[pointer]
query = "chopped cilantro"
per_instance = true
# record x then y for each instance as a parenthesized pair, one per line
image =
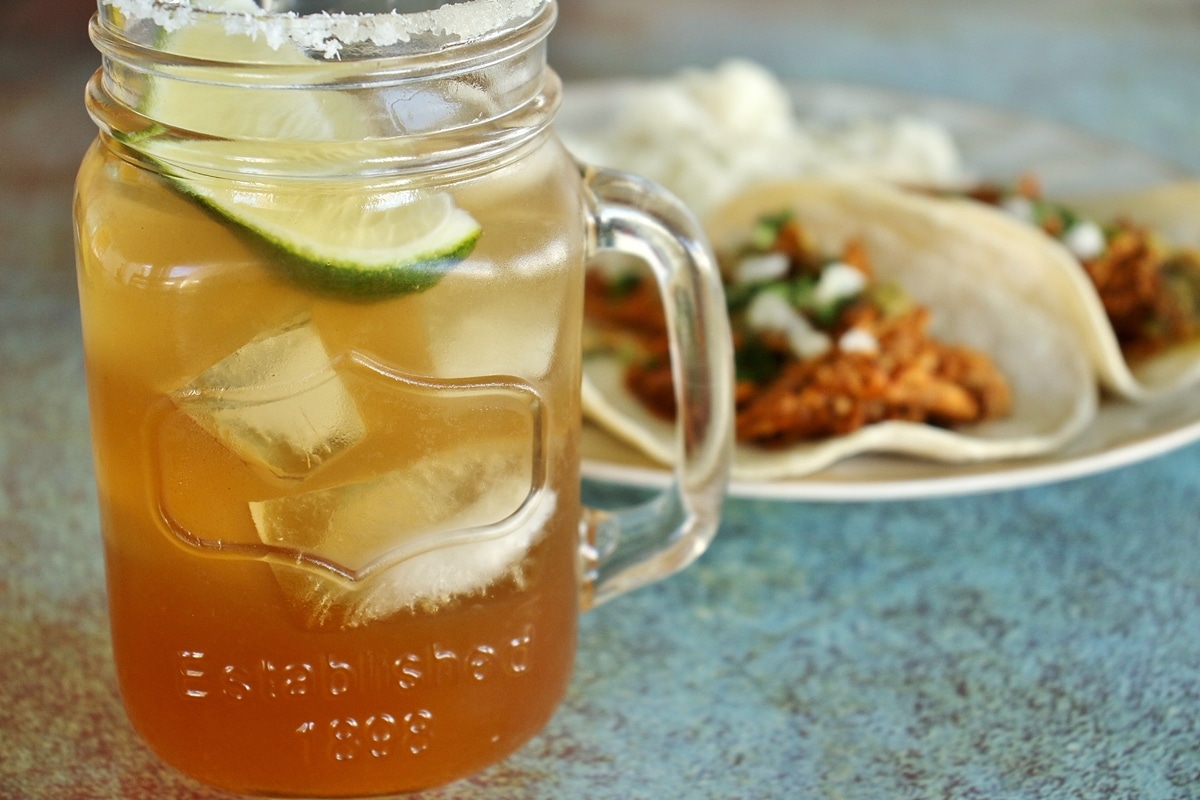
(756, 362)
(826, 316)
(766, 231)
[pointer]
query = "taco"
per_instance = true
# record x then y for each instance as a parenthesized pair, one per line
(1135, 260)
(929, 337)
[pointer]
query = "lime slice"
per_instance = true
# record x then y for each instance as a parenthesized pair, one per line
(397, 243)
(380, 243)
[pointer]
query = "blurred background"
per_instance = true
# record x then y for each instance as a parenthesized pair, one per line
(1069, 60)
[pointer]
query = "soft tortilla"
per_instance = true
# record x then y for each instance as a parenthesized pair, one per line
(985, 285)
(1173, 212)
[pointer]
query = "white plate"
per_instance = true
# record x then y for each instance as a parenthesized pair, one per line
(996, 145)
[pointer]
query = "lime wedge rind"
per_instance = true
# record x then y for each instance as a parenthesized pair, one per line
(357, 280)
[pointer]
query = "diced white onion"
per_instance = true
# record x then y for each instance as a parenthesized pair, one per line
(771, 312)
(1085, 239)
(838, 281)
(808, 342)
(858, 340)
(761, 268)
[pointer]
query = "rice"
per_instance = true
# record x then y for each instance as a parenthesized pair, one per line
(706, 134)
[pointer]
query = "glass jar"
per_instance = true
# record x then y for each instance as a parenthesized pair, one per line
(330, 271)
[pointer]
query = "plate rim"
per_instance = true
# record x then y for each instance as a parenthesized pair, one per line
(813, 488)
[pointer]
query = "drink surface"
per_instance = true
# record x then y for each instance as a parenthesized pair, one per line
(341, 532)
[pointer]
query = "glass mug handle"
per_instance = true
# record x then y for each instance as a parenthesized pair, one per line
(628, 548)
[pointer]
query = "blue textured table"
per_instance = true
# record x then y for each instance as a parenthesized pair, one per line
(1040, 643)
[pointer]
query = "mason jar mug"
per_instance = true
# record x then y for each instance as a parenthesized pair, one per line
(330, 270)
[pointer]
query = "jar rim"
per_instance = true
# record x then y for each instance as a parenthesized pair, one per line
(333, 33)
(218, 103)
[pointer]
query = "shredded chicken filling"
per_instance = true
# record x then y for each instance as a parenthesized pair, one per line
(1150, 292)
(878, 361)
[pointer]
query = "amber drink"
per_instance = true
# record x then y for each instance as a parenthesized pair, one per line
(332, 340)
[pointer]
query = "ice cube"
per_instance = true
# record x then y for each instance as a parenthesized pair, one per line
(277, 402)
(450, 523)
(513, 327)
(435, 577)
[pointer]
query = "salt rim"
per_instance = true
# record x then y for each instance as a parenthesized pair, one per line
(329, 33)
